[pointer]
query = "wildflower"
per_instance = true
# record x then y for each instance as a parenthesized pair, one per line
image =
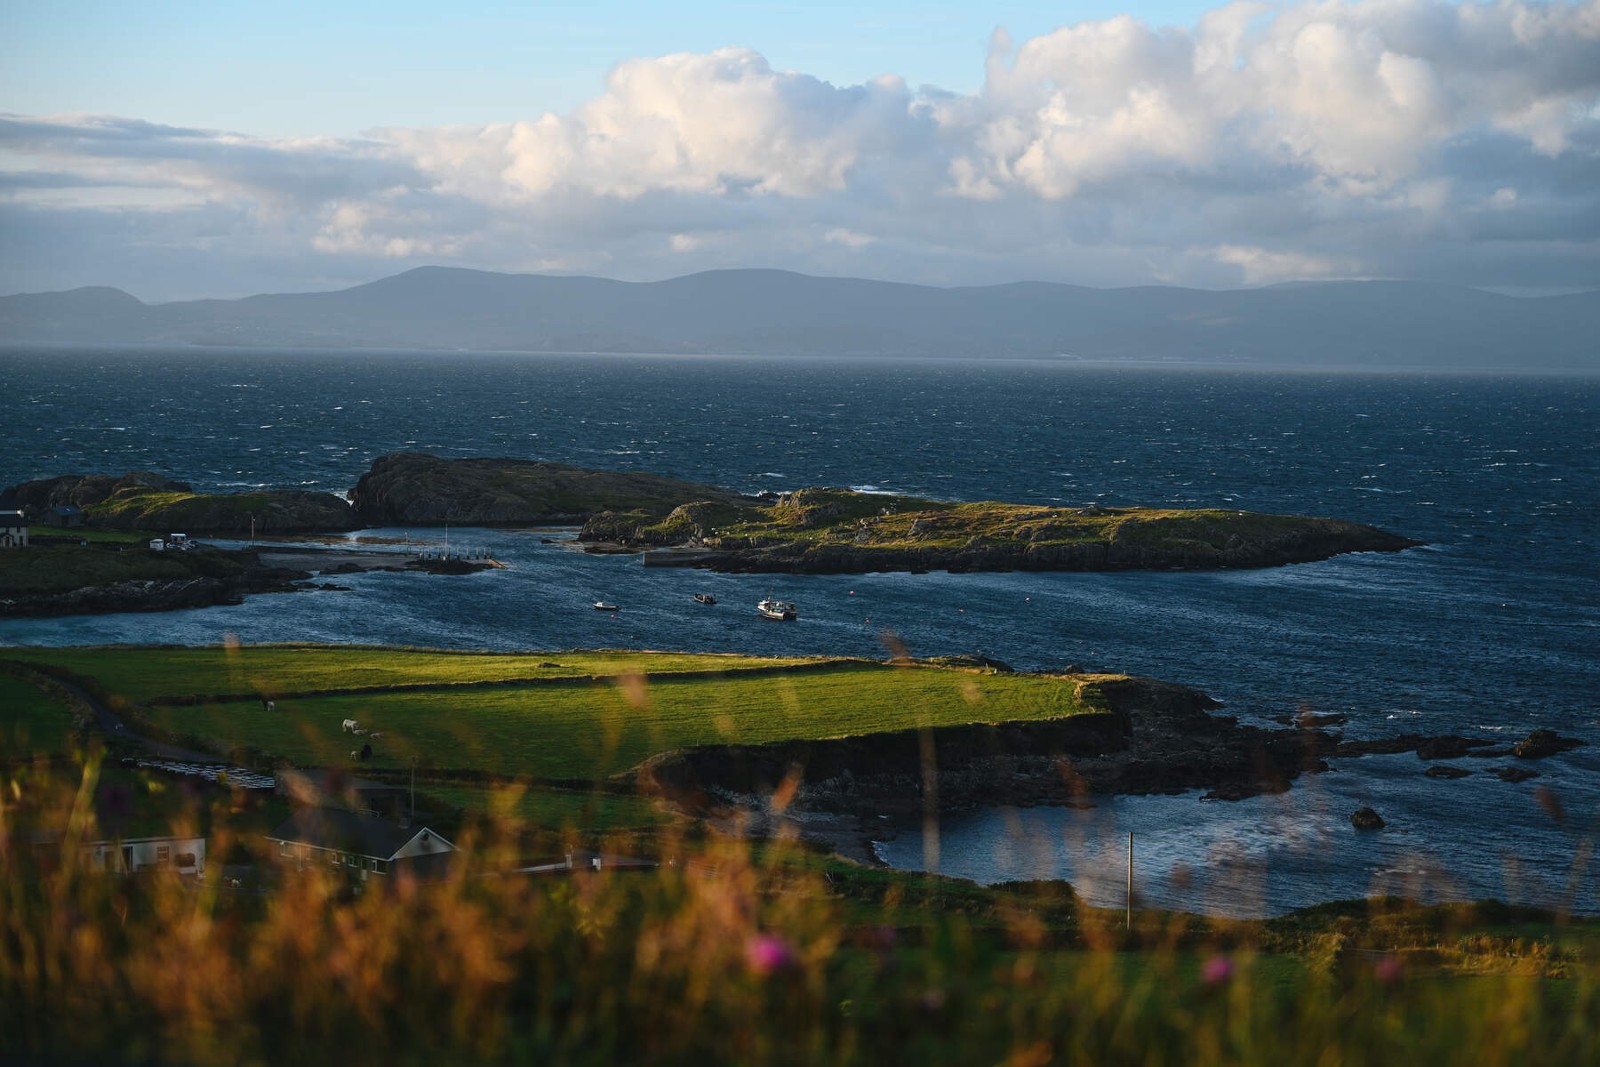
(768, 954)
(1389, 969)
(1216, 970)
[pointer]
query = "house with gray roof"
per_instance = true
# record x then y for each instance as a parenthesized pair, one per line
(360, 845)
(13, 529)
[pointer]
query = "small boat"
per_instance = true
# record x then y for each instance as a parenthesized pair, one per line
(704, 598)
(777, 609)
(602, 605)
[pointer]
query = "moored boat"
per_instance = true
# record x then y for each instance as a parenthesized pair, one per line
(783, 610)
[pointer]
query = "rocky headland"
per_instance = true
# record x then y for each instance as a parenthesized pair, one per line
(95, 579)
(1145, 736)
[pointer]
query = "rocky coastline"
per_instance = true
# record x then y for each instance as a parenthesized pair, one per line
(1152, 737)
(207, 577)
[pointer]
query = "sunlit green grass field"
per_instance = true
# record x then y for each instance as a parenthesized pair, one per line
(141, 675)
(567, 715)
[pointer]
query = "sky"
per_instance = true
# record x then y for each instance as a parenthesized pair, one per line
(180, 149)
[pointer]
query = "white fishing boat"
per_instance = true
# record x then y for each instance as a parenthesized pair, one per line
(782, 610)
(604, 605)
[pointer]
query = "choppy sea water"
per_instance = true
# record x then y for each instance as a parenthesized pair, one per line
(1493, 627)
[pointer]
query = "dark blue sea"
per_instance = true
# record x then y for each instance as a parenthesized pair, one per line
(1493, 628)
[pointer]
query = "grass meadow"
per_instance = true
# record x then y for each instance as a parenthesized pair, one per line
(562, 716)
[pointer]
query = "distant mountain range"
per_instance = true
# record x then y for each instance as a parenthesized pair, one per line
(768, 312)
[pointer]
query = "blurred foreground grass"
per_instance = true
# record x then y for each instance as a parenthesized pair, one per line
(730, 952)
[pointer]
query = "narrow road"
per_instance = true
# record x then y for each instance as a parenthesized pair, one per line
(111, 724)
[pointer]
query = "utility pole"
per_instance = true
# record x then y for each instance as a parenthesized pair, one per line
(1129, 919)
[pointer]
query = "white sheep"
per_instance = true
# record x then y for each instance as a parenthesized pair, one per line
(272, 705)
(377, 735)
(349, 726)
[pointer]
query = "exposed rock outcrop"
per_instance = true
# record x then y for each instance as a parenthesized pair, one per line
(1366, 819)
(1441, 746)
(1542, 743)
(415, 489)
(1152, 737)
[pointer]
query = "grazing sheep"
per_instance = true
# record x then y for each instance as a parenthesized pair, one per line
(272, 705)
(377, 735)
(354, 754)
(349, 726)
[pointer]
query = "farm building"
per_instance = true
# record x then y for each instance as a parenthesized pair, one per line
(362, 845)
(135, 855)
(13, 529)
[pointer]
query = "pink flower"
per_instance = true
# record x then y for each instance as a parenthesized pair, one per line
(1389, 969)
(1216, 970)
(768, 954)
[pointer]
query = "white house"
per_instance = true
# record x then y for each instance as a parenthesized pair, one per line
(186, 855)
(13, 529)
(361, 845)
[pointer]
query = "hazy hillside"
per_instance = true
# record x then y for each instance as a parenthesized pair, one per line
(775, 312)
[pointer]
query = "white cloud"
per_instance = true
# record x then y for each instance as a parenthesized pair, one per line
(1262, 267)
(1320, 139)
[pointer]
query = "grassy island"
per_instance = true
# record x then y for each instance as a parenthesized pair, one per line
(840, 530)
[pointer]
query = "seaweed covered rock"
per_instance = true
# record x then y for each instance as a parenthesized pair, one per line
(1366, 819)
(1542, 743)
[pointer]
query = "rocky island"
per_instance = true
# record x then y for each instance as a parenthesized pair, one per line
(840, 531)
(416, 489)
(141, 500)
(678, 522)
(830, 531)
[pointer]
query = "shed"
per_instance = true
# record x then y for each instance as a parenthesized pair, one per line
(66, 516)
